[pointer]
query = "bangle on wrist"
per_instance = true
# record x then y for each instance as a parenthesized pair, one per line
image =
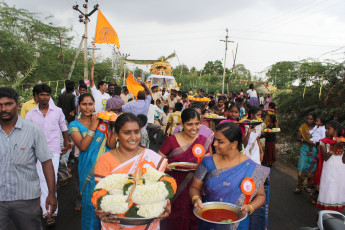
(251, 209)
(194, 198)
(91, 133)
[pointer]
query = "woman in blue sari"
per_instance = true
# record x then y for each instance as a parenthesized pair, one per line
(218, 177)
(90, 137)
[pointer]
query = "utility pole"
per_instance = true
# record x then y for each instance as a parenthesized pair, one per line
(84, 17)
(226, 49)
(124, 56)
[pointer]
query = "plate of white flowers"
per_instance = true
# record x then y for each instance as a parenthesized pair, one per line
(134, 199)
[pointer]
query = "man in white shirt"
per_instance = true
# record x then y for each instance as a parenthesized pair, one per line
(101, 97)
(152, 128)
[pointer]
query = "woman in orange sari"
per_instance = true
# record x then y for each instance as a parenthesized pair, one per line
(127, 158)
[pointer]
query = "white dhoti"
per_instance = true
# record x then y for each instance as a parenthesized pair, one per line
(43, 183)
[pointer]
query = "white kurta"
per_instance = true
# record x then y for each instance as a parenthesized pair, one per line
(252, 149)
(332, 184)
(43, 183)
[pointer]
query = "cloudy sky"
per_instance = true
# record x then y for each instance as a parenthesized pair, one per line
(266, 31)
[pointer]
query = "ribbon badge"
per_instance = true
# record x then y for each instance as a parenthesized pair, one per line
(198, 151)
(102, 127)
(248, 188)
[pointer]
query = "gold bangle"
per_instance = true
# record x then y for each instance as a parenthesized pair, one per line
(194, 198)
(331, 152)
(251, 209)
(91, 133)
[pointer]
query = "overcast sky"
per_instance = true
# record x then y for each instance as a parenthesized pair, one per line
(266, 31)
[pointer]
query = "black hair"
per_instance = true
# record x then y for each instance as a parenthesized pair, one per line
(9, 92)
(66, 81)
(153, 87)
(252, 111)
(184, 95)
(274, 120)
(81, 82)
(234, 105)
(117, 90)
(123, 118)
(232, 132)
(227, 105)
(166, 109)
(84, 86)
(35, 90)
(221, 98)
(44, 88)
(158, 100)
(251, 86)
(272, 105)
(189, 114)
(101, 83)
(130, 99)
(211, 97)
(322, 119)
(70, 86)
(196, 106)
(141, 95)
(152, 101)
(239, 100)
(81, 97)
(178, 106)
(312, 114)
(143, 120)
(211, 103)
(337, 126)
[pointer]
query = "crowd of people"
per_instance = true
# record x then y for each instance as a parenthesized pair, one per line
(159, 126)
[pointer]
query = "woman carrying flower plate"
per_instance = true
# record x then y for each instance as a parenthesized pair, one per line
(220, 176)
(127, 158)
(179, 148)
(90, 138)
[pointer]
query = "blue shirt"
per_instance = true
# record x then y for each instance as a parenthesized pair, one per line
(138, 107)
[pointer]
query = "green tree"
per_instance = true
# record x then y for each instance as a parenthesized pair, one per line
(138, 72)
(213, 68)
(283, 74)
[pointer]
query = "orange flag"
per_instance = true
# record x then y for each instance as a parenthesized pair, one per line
(133, 86)
(105, 33)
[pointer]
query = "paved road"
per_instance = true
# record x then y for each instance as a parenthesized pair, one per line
(287, 210)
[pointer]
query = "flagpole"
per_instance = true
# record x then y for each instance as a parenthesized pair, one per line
(93, 54)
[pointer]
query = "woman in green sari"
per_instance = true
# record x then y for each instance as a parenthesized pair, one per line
(307, 152)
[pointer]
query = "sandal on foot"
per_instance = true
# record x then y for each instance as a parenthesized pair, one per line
(297, 190)
(50, 221)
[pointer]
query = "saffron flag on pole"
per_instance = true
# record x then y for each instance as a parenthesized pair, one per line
(105, 33)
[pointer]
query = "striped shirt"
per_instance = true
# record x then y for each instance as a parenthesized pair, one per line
(19, 152)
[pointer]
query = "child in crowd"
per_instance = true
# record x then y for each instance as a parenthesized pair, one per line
(332, 183)
(239, 102)
(144, 141)
(317, 133)
(233, 115)
(270, 143)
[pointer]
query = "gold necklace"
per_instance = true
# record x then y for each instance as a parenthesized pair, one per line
(123, 158)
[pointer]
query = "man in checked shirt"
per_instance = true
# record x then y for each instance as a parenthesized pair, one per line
(22, 143)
